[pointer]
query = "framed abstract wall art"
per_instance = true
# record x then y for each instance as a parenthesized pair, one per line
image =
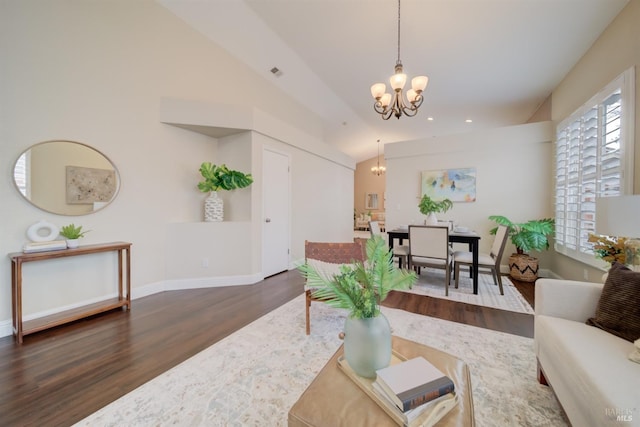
(457, 185)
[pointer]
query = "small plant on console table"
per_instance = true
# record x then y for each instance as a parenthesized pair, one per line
(72, 234)
(526, 236)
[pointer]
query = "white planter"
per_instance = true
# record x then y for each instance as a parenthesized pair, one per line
(431, 219)
(213, 208)
(72, 243)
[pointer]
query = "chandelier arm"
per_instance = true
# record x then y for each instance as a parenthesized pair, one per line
(377, 106)
(412, 110)
(386, 113)
(398, 104)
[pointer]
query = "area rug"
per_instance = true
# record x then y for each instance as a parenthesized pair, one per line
(254, 376)
(431, 282)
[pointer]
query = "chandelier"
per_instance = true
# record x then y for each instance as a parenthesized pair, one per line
(378, 170)
(387, 106)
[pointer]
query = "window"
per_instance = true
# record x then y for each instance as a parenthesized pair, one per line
(20, 174)
(594, 158)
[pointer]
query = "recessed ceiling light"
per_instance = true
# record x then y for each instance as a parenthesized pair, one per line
(430, 119)
(468, 121)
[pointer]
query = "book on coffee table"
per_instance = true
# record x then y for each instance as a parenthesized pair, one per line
(413, 382)
(425, 417)
(436, 408)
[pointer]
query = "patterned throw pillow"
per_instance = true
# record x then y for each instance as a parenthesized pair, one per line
(618, 310)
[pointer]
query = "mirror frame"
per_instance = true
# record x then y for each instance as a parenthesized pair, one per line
(50, 210)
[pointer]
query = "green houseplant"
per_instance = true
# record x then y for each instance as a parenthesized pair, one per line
(360, 288)
(430, 207)
(219, 178)
(532, 235)
(72, 233)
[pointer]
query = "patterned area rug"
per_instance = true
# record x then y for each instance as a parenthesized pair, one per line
(431, 283)
(254, 376)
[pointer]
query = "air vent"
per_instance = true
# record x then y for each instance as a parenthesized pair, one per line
(276, 71)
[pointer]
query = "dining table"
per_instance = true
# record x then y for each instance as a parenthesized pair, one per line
(471, 238)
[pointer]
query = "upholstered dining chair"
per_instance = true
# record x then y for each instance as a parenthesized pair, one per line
(402, 252)
(328, 257)
(429, 247)
(490, 261)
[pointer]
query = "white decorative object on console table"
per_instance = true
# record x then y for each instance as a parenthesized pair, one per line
(35, 232)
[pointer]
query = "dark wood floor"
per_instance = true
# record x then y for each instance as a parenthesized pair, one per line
(60, 376)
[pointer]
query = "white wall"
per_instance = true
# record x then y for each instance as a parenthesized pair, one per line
(513, 176)
(616, 50)
(96, 72)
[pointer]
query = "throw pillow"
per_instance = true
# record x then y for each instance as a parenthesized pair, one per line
(618, 310)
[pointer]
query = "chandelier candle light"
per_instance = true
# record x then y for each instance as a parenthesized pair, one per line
(385, 105)
(378, 170)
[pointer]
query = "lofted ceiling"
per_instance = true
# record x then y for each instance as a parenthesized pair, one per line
(491, 61)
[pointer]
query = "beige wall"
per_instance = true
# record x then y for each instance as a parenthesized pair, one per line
(617, 49)
(97, 72)
(367, 182)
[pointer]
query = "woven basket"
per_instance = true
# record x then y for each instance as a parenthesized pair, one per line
(523, 267)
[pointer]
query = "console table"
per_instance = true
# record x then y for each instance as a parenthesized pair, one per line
(22, 328)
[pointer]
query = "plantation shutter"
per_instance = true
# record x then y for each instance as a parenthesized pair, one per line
(589, 163)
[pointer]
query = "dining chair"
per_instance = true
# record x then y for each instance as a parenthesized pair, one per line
(327, 257)
(490, 261)
(429, 247)
(402, 252)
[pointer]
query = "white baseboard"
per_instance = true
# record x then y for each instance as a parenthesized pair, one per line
(6, 326)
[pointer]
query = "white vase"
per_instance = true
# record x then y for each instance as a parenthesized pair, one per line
(431, 219)
(213, 208)
(72, 243)
(367, 344)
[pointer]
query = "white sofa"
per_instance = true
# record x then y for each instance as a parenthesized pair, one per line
(588, 368)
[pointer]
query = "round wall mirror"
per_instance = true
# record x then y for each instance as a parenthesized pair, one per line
(66, 177)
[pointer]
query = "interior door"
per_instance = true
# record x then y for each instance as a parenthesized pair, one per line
(275, 226)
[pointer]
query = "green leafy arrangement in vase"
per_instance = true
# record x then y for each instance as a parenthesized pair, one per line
(222, 178)
(361, 287)
(427, 205)
(527, 236)
(72, 232)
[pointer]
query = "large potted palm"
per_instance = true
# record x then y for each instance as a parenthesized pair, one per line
(526, 236)
(360, 288)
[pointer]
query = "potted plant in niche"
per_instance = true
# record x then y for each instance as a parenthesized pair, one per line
(72, 234)
(360, 288)
(219, 178)
(430, 207)
(527, 236)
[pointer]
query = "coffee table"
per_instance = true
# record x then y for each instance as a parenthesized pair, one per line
(333, 399)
